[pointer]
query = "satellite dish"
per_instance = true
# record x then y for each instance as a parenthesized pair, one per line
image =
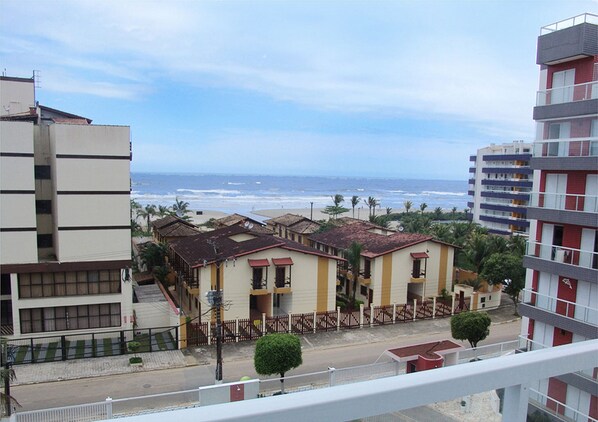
(401, 228)
(246, 224)
(250, 226)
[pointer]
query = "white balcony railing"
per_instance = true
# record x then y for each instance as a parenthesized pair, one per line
(569, 22)
(571, 256)
(564, 201)
(561, 306)
(567, 94)
(572, 147)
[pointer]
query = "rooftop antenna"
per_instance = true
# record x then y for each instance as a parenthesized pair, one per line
(36, 83)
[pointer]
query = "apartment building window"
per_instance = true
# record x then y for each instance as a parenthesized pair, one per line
(43, 206)
(42, 173)
(33, 285)
(45, 241)
(63, 318)
(367, 268)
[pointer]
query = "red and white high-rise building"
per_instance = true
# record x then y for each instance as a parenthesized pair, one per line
(560, 303)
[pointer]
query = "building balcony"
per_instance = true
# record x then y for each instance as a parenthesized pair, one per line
(580, 210)
(513, 195)
(512, 183)
(472, 169)
(259, 287)
(507, 157)
(567, 40)
(561, 313)
(282, 286)
(567, 262)
(507, 170)
(418, 278)
(511, 221)
(473, 158)
(512, 208)
(565, 154)
(567, 94)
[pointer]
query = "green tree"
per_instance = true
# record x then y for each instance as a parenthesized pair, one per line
(507, 269)
(408, 205)
(423, 206)
(354, 202)
(153, 255)
(338, 199)
(372, 203)
(470, 326)
(163, 211)
(454, 212)
(388, 210)
(353, 257)
(277, 354)
(476, 251)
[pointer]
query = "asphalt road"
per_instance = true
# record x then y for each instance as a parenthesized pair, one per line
(89, 390)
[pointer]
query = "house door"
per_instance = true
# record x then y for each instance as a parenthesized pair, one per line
(562, 86)
(558, 131)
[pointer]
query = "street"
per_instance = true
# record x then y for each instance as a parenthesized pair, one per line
(72, 392)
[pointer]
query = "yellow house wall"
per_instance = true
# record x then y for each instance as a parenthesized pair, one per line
(399, 264)
(305, 274)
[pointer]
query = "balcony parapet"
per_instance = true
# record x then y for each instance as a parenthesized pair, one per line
(567, 94)
(571, 256)
(564, 201)
(561, 307)
(570, 147)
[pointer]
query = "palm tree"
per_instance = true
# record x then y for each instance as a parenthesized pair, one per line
(354, 202)
(353, 256)
(476, 251)
(423, 206)
(180, 207)
(388, 210)
(407, 205)
(163, 211)
(148, 212)
(371, 202)
(437, 213)
(337, 199)
(454, 212)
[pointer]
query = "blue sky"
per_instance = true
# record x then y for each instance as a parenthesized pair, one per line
(405, 89)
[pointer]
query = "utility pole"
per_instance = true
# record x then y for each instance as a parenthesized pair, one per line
(218, 306)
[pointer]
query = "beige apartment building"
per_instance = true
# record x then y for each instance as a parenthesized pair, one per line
(65, 233)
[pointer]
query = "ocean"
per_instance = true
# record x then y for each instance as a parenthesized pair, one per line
(244, 194)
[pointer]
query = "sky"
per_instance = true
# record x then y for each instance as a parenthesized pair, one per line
(399, 89)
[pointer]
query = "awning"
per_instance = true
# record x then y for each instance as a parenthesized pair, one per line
(258, 263)
(281, 262)
(419, 255)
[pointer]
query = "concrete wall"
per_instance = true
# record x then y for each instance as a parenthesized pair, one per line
(16, 96)
(153, 314)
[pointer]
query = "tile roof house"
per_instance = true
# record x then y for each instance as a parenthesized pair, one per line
(170, 228)
(396, 267)
(294, 227)
(235, 219)
(259, 273)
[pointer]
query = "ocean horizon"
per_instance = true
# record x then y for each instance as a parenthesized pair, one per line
(243, 194)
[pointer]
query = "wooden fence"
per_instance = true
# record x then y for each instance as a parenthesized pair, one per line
(245, 329)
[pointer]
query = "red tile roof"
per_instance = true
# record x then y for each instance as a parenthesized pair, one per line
(428, 350)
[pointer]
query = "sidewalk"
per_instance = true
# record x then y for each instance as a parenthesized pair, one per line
(96, 367)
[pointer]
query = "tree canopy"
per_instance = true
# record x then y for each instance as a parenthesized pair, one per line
(277, 354)
(505, 268)
(470, 326)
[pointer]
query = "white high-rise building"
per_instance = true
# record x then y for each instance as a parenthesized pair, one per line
(500, 187)
(65, 233)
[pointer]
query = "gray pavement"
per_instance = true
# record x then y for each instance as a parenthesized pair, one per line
(206, 355)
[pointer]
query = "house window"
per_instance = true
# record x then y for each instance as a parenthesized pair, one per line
(258, 282)
(367, 268)
(32, 285)
(363, 290)
(416, 271)
(280, 276)
(64, 318)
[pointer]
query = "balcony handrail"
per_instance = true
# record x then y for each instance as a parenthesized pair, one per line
(259, 284)
(564, 201)
(567, 94)
(285, 282)
(569, 22)
(541, 397)
(588, 315)
(564, 255)
(562, 147)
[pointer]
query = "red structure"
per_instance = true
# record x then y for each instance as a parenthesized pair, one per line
(421, 357)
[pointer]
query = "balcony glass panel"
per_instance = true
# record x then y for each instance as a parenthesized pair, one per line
(562, 307)
(572, 147)
(562, 201)
(571, 256)
(567, 94)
